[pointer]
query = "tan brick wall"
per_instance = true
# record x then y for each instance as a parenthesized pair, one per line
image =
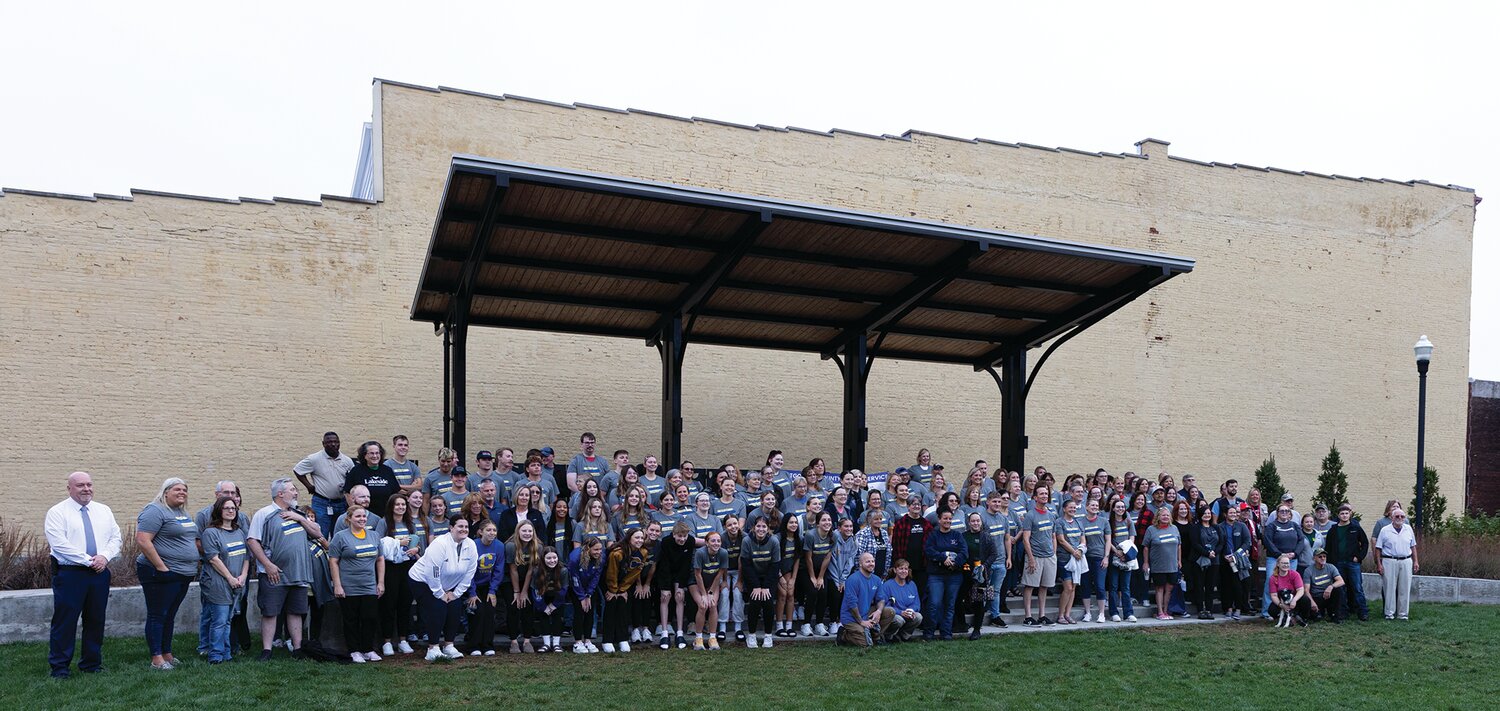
(1294, 330)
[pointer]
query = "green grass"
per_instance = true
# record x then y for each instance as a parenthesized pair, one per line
(1441, 659)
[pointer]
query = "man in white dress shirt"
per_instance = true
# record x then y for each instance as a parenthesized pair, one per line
(84, 537)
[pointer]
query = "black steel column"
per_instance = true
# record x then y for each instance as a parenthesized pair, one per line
(671, 346)
(1013, 441)
(856, 370)
(1418, 520)
(447, 385)
(460, 381)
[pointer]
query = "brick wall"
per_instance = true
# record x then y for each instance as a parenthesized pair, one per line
(1483, 481)
(176, 337)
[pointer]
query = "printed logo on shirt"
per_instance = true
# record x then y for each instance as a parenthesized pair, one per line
(366, 550)
(186, 522)
(487, 561)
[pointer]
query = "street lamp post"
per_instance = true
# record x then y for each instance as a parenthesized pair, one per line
(1423, 350)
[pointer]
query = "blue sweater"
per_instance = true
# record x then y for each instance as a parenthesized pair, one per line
(938, 544)
(585, 580)
(901, 597)
(861, 592)
(491, 569)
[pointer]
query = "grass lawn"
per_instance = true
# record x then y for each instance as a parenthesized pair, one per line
(1443, 658)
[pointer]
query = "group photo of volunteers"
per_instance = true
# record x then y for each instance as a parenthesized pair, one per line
(517, 553)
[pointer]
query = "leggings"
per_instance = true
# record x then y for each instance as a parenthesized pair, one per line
(641, 609)
(518, 620)
(583, 622)
(1204, 592)
(616, 621)
(550, 623)
(481, 634)
(760, 611)
(361, 618)
(395, 604)
(816, 606)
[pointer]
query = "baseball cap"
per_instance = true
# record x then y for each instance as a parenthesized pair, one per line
(547, 451)
(1319, 552)
(484, 454)
(1287, 496)
(937, 467)
(902, 470)
(1321, 507)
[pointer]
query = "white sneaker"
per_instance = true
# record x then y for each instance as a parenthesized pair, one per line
(474, 653)
(750, 641)
(821, 630)
(579, 648)
(289, 646)
(590, 644)
(388, 650)
(433, 653)
(806, 630)
(372, 657)
(625, 648)
(1100, 618)
(452, 652)
(1131, 619)
(1114, 618)
(357, 658)
(609, 648)
(402, 647)
(635, 636)
(768, 643)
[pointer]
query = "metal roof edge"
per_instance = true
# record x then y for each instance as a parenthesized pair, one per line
(346, 198)
(183, 196)
(48, 194)
(418, 87)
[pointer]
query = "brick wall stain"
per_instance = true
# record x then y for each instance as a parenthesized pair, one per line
(167, 337)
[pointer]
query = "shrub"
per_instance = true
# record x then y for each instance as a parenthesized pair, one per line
(1333, 484)
(1434, 504)
(1269, 482)
(23, 560)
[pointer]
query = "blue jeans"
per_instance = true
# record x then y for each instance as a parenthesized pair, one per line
(997, 577)
(320, 513)
(164, 593)
(942, 593)
(218, 632)
(1013, 574)
(1118, 581)
(76, 591)
(1093, 579)
(1354, 587)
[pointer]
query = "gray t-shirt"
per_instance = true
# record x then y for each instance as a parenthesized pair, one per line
(998, 526)
(175, 536)
(229, 547)
(702, 526)
(372, 522)
(407, 472)
(1072, 530)
(285, 542)
(1162, 545)
(720, 509)
(1320, 580)
(1093, 534)
(548, 487)
(241, 519)
(710, 565)
(582, 465)
(356, 561)
(1043, 527)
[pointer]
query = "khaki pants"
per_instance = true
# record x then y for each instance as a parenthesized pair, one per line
(1397, 590)
(854, 634)
(893, 624)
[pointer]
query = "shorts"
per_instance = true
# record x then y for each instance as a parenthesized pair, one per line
(276, 599)
(1045, 575)
(1160, 579)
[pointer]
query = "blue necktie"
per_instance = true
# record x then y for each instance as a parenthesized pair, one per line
(88, 533)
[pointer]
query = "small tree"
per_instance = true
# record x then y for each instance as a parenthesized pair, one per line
(1434, 505)
(1333, 485)
(1269, 482)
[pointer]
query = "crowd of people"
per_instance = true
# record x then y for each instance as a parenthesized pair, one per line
(517, 551)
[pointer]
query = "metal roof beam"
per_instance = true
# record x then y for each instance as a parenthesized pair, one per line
(925, 285)
(1093, 309)
(576, 269)
(772, 318)
(568, 300)
(1011, 314)
(549, 326)
(707, 279)
(791, 290)
(833, 260)
(463, 292)
(653, 239)
(1022, 283)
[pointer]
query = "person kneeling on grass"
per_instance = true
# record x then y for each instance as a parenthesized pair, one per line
(902, 615)
(1323, 582)
(862, 606)
(1288, 594)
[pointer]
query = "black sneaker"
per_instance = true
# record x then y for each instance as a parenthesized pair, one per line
(681, 643)
(1029, 622)
(974, 635)
(1045, 621)
(265, 656)
(1364, 617)
(1000, 622)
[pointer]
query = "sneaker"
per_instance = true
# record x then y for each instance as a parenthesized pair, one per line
(515, 646)
(388, 650)
(265, 656)
(289, 646)
(974, 635)
(580, 648)
(403, 647)
(1403, 618)
(768, 643)
(1029, 622)
(372, 657)
(1114, 618)
(820, 630)
(452, 652)
(750, 642)
(528, 649)
(1131, 618)
(1044, 621)
(698, 644)
(489, 652)
(433, 653)
(590, 644)
(625, 648)
(806, 630)
(1100, 618)
(635, 636)
(681, 642)
(713, 644)
(610, 648)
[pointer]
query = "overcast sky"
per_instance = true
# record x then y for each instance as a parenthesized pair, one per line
(267, 99)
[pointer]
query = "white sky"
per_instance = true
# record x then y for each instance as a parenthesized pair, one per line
(267, 99)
